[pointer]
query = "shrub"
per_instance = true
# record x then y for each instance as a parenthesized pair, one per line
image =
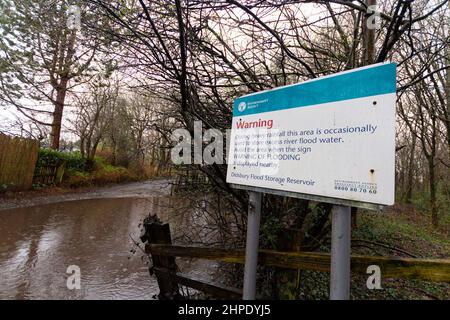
(74, 161)
(76, 175)
(49, 157)
(112, 174)
(76, 178)
(99, 163)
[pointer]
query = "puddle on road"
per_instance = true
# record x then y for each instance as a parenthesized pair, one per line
(37, 244)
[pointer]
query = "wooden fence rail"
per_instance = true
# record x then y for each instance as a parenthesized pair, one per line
(216, 290)
(158, 243)
(391, 267)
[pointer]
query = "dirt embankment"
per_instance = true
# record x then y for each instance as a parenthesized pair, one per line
(140, 189)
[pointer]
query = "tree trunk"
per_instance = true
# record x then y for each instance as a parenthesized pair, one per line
(447, 93)
(410, 182)
(433, 199)
(58, 113)
(65, 63)
(432, 178)
(82, 147)
(369, 38)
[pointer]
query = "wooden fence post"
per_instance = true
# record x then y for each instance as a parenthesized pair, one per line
(155, 232)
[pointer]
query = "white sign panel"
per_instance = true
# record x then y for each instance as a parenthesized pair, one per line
(332, 137)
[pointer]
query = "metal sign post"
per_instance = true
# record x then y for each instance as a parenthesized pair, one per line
(340, 253)
(252, 246)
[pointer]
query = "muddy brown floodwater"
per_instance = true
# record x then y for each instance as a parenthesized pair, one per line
(38, 243)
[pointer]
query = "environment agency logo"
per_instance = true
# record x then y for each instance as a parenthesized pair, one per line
(242, 106)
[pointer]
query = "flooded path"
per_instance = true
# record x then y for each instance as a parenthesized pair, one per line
(141, 189)
(38, 243)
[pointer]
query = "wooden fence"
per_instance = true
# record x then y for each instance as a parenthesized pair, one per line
(158, 244)
(17, 162)
(49, 174)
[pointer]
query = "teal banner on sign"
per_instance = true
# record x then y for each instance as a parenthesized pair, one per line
(364, 82)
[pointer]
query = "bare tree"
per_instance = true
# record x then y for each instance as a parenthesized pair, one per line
(94, 111)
